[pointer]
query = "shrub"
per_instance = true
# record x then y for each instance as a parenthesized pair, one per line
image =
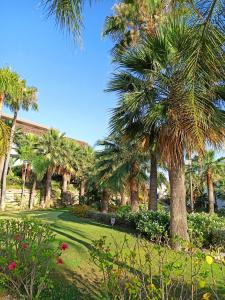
(123, 211)
(209, 230)
(154, 224)
(27, 257)
(81, 210)
(143, 270)
(101, 217)
(14, 181)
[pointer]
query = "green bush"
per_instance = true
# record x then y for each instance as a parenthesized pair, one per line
(14, 181)
(81, 210)
(123, 211)
(209, 230)
(27, 257)
(154, 224)
(102, 217)
(205, 230)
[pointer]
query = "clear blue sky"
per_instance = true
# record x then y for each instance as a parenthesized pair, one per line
(70, 80)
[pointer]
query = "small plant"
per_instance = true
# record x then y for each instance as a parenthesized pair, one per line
(27, 257)
(142, 270)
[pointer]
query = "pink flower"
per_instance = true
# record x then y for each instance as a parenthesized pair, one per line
(59, 261)
(24, 246)
(64, 246)
(12, 266)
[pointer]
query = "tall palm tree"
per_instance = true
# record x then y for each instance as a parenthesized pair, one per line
(50, 145)
(120, 164)
(212, 170)
(70, 163)
(187, 113)
(25, 98)
(8, 90)
(86, 166)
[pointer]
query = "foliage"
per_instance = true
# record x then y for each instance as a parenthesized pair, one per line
(27, 257)
(148, 271)
(81, 210)
(68, 14)
(153, 224)
(104, 218)
(209, 230)
(14, 181)
(123, 211)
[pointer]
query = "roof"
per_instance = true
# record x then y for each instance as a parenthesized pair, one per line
(34, 128)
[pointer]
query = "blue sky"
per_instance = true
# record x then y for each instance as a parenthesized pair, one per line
(70, 80)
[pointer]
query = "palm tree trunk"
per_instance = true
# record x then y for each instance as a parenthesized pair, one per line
(178, 212)
(211, 197)
(2, 97)
(65, 180)
(48, 187)
(105, 201)
(82, 188)
(2, 162)
(134, 187)
(32, 194)
(152, 205)
(122, 198)
(6, 165)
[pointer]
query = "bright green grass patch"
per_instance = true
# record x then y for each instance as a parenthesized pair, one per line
(78, 277)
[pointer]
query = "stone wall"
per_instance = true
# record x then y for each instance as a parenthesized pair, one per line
(14, 201)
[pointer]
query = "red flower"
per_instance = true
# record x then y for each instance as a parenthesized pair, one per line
(12, 266)
(18, 237)
(59, 261)
(64, 246)
(24, 246)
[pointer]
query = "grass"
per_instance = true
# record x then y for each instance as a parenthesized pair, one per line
(78, 277)
(77, 272)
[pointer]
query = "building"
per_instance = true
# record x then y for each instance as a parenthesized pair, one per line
(34, 128)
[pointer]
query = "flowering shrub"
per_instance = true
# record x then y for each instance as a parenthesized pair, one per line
(27, 257)
(144, 270)
(209, 230)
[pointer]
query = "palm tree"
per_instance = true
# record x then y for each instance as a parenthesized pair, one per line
(212, 170)
(50, 145)
(187, 114)
(25, 98)
(120, 164)
(86, 166)
(67, 13)
(27, 150)
(132, 20)
(8, 90)
(70, 163)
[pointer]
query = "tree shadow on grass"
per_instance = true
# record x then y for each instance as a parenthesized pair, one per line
(68, 216)
(57, 230)
(68, 285)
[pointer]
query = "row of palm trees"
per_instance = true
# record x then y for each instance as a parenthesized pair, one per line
(54, 154)
(170, 82)
(49, 154)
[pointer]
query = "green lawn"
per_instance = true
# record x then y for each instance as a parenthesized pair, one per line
(77, 278)
(77, 270)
